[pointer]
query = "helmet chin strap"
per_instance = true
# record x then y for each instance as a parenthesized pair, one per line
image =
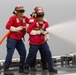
(40, 21)
(21, 17)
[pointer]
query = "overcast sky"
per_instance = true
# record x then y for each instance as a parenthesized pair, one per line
(56, 11)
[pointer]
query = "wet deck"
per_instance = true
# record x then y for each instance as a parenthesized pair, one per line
(71, 70)
(67, 67)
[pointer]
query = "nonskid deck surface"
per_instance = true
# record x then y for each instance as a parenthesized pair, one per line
(61, 71)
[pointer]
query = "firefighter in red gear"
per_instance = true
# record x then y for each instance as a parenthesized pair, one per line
(43, 57)
(38, 37)
(17, 25)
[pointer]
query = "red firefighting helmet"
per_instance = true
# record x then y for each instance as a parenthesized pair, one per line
(39, 11)
(17, 9)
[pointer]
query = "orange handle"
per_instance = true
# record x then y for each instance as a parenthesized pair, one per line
(5, 36)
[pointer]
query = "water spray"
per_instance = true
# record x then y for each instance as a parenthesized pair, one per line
(65, 31)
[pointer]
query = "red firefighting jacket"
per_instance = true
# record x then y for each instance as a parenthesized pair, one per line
(15, 21)
(36, 39)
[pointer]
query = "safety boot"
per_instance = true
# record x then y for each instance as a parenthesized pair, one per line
(6, 69)
(20, 69)
(52, 70)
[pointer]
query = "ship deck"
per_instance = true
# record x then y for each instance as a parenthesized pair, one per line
(65, 65)
(70, 70)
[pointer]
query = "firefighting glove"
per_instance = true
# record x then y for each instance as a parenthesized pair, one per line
(43, 31)
(46, 37)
